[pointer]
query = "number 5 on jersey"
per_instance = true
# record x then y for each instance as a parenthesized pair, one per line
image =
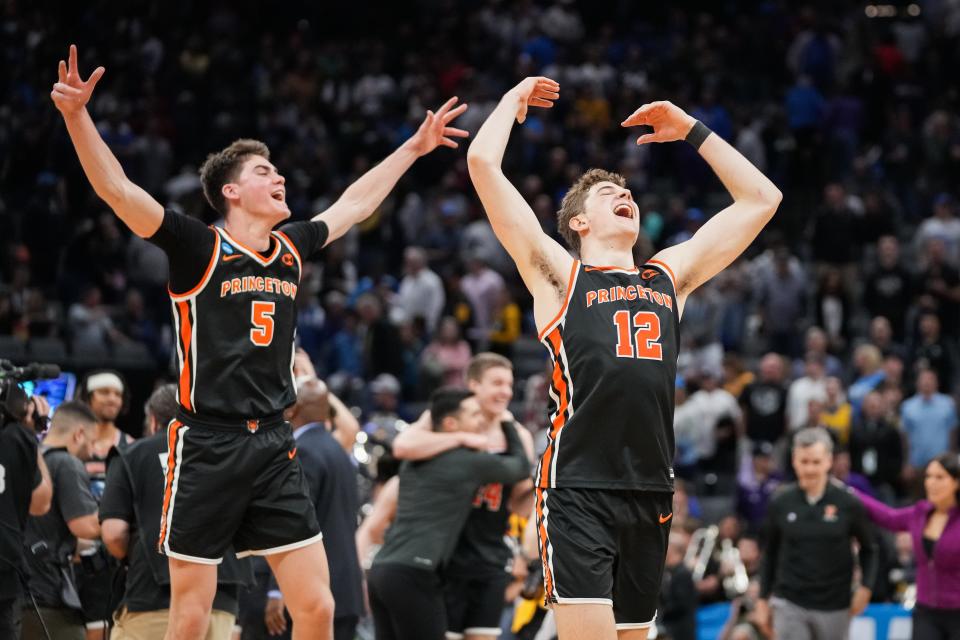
(642, 343)
(261, 316)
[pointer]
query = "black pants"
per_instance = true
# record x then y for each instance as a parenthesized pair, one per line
(62, 624)
(9, 618)
(407, 603)
(936, 624)
(345, 628)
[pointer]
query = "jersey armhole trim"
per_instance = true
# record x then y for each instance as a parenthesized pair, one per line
(206, 274)
(663, 266)
(571, 283)
(292, 247)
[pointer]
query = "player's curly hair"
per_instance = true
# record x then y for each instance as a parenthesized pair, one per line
(573, 201)
(223, 166)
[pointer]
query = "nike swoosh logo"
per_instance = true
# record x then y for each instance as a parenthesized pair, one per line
(233, 257)
(663, 519)
(291, 454)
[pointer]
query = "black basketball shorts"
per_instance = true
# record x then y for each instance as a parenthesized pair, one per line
(239, 487)
(474, 605)
(604, 546)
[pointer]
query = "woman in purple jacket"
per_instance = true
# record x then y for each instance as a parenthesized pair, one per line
(934, 525)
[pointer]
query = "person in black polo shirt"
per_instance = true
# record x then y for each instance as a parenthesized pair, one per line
(130, 517)
(808, 568)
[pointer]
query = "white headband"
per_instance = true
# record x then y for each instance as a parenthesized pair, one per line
(104, 380)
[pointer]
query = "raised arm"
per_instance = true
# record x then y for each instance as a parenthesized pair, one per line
(345, 424)
(887, 517)
(138, 210)
(727, 234)
(543, 264)
(366, 194)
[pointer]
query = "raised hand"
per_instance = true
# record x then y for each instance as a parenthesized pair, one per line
(669, 122)
(535, 91)
(71, 93)
(434, 130)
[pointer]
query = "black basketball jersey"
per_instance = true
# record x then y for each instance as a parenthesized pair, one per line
(235, 331)
(614, 347)
(481, 550)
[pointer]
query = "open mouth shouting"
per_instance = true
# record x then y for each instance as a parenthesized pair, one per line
(624, 210)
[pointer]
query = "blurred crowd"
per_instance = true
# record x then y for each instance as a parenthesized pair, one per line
(845, 313)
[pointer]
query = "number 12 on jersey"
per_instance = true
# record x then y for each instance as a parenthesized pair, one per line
(642, 341)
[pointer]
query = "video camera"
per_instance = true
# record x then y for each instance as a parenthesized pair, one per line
(13, 399)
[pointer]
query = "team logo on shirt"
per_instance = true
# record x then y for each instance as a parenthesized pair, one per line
(226, 248)
(648, 274)
(830, 513)
(287, 259)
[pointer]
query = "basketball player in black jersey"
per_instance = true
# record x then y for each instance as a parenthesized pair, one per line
(477, 576)
(604, 482)
(232, 476)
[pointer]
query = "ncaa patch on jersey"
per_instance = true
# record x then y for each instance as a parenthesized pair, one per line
(226, 248)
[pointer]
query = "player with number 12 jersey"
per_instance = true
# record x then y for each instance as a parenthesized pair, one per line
(605, 483)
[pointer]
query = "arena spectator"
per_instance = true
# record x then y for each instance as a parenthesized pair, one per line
(812, 386)
(876, 449)
(943, 225)
(421, 290)
(444, 361)
(929, 422)
(765, 402)
(887, 285)
(939, 287)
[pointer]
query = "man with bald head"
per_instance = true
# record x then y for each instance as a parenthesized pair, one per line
(332, 479)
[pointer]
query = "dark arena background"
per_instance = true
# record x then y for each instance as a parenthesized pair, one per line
(844, 313)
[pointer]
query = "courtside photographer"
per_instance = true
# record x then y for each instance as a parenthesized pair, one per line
(25, 487)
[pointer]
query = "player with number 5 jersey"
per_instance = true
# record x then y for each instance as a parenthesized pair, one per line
(605, 483)
(231, 473)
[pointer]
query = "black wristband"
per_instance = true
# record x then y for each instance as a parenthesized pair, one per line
(698, 134)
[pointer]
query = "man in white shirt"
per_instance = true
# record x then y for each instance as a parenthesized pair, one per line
(713, 403)
(943, 224)
(421, 290)
(812, 386)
